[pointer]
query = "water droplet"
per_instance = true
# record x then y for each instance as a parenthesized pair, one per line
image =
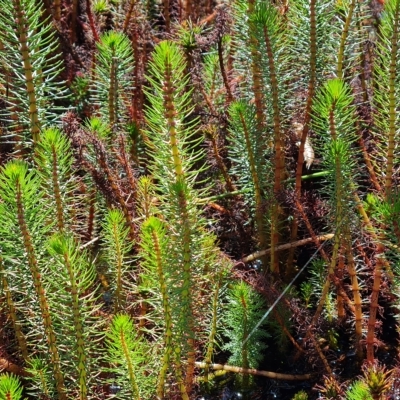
(114, 388)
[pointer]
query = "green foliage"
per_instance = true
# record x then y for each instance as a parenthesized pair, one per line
(302, 395)
(306, 290)
(20, 187)
(314, 286)
(266, 29)
(171, 126)
(175, 158)
(31, 68)
(72, 287)
(80, 94)
(23, 229)
(298, 45)
(10, 387)
(54, 160)
(100, 6)
(154, 245)
(333, 121)
(386, 97)
(40, 377)
(358, 391)
(243, 311)
(127, 354)
(248, 157)
(117, 248)
(115, 62)
(119, 205)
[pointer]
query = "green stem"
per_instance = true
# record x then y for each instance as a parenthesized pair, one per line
(257, 187)
(186, 314)
(245, 358)
(113, 93)
(392, 101)
(22, 26)
(166, 360)
(213, 326)
(78, 327)
(130, 365)
(119, 262)
(343, 38)
(57, 191)
(40, 292)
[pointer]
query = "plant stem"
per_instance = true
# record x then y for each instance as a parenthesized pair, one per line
(22, 26)
(268, 374)
(279, 159)
(13, 314)
(166, 360)
(343, 38)
(376, 287)
(40, 293)
(392, 101)
(311, 90)
(301, 242)
(78, 319)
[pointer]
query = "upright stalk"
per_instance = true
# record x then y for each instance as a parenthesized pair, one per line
(357, 300)
(12, 310)
(307, 118)
(376, 287)
(279, 159)
(260, 218)
(343, 39)
(40, 292)
(78, 323)
(22, 27)
(392, 100)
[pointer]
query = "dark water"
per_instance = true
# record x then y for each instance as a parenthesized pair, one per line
(262, 389)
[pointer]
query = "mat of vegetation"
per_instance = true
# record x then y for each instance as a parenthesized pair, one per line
(199, 199)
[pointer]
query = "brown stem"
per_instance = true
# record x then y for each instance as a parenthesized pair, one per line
(73, 20)
(91, 21)
(317, 243)
(12, 311)
(340, 304)
(357, 300)
(368, 163)
(229, 97)
(91, 216)
(57, 10)
(307, 117)
(286, 246)
(220, 162)
(267, 374)
(279, 159)
(371, 340)
(166, 14)
(128, 15)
